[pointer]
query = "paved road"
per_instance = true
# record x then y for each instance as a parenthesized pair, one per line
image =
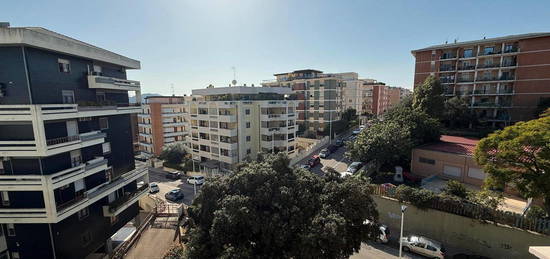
(158, 175)
(335, 160)
(374, 250)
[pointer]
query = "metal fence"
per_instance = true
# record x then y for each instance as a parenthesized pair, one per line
(475, 211)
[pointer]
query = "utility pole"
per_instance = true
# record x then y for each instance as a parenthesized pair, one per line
(403, 209)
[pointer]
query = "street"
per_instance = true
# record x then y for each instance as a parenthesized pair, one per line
(335, 160)
(381, 251)
(158, 175)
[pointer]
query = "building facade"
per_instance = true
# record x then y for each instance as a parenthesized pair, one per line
(68, 180)
(163, 121)
(229, 125)
(319, 96)
(503, 79)
(385, 97)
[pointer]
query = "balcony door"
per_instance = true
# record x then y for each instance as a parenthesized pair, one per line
(72, 128)
(76, 158)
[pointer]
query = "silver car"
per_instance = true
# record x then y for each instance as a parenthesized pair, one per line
(423, 246)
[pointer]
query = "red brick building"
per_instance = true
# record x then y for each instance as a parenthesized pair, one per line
(503, 79)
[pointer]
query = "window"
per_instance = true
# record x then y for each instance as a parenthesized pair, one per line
(106, 147)
(248, 151)
(64, 65)
(431, 248)
(426, 160)
(489, 50)
(248, 138)
(468, 53)
(101, 98)
(68, 96)
(11, 230)
(109, 174)
(83, 213)
(248, 125)
(5, 198)
(114, 220)
(247, 111)
(86, 238)
(103, 123)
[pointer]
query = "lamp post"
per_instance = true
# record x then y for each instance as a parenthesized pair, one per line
(403, 209)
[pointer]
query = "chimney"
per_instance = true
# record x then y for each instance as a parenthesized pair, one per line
(4, 24)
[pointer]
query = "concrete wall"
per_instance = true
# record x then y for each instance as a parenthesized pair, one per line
(460, 233)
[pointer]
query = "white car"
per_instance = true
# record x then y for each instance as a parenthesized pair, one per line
(356, 131)
(344, 174)
(153, 188)
(198, 180)
(354, 167)
(384, 236)
(423, 246)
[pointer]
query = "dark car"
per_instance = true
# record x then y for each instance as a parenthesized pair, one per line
(467, 256)
(332, 148)
(174, 195)
(173, 175)
(339, 143)
(411, 178)
(313, 161)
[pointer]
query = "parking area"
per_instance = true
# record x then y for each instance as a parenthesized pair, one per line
(158, 175)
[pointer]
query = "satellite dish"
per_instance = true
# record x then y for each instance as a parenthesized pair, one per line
(234, 82)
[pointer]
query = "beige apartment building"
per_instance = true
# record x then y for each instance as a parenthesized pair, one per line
(385, 97)
(319, 96)
(162, 121)
(229, 125)
(503, 79)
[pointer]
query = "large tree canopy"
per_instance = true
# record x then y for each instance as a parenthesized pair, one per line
(428, 97)
(268, 210)
(520, 155)
(457, 113)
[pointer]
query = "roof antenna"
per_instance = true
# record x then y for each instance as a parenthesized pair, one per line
(172, 88)
(234, 82)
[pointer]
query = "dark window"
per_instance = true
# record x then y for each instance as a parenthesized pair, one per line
(68, 96)
(426, 160)
(429, 247)
(248, 151)
(64, 65)
(248, 125)
(247, 138)
(11, 230)
(83, 213)
(247, 111)
(103, 123)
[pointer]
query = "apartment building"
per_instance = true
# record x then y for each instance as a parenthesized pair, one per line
(68, 180)
(503, 79)
(229, 125)
(162, 121)
(385, 97)
(357, 94)
(319, 96)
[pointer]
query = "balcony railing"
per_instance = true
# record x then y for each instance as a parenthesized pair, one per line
(488, 53)
(104, 82)
(511, 50)
(68, 204)
(115, 205)
(448, 56)
(61, 140)
(447, 68)
(465, 80)
(466, 67)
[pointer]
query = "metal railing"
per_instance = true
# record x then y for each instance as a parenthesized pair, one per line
(60, 140)
(122, 200)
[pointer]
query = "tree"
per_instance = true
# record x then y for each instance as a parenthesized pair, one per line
(349, 115)
(383, 143)
(428, 97)
(422, 127)
(457, 113)
(457, 189)
(174, 155)
(519, 155)
(268, 210)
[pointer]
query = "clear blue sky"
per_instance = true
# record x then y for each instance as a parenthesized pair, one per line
(193, 43)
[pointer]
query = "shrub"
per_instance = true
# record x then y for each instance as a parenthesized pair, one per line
(536, 212)
(420, 198)
(488, 198)
(457, 189)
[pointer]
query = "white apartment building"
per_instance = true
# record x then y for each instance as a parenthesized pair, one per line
(229, 125)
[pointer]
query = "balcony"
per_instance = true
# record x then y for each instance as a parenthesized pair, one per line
(462, 68)
(122, 203)
(224, 132)
(104, 82)
(447, 68)
(465, 80)
(446, 56)
(51, 146)
(173, 134)
(173, 124)
(490, 53)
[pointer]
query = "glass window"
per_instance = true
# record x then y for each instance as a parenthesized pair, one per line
(68, 96)
(64, 65)
(248, 125)
(468, 53)
(489, 50)
(426, 160)
(106, 147)
(247, 111)
(103, 123)
(248, 138)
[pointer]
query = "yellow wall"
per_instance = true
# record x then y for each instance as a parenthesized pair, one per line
(460, 232)
(441, 159)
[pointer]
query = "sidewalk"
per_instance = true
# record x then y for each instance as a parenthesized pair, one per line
(153, 244)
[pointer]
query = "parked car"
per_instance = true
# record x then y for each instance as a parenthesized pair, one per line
(344, 174)
(384, 236)
(173, 175)
(354, 167)
(174, 195)
(423, 246)
(153, 188)
(362, 127)
(339, 143)
(198, 180)
(467, 256)
(305, 166)
(356, 131)
(313, 161)
(324, 153)
(411, 178)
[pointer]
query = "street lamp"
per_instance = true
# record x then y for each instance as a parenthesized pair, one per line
(403, 209)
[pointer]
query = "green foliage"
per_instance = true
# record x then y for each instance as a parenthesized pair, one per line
(348, 119)
(422, 127)
(386, 142)
(174, 156)
(420, 198)
(536, 212)
(349, 115)
(519, 155)
(542, 106)
(457, 113)
(487, 198)
(428, 97)
(457, 189)
(268, 210)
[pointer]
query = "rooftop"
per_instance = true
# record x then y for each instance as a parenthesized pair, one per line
(453, 144)
(45, 39)
(300, 71)
(474, 42)
(241, 90)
